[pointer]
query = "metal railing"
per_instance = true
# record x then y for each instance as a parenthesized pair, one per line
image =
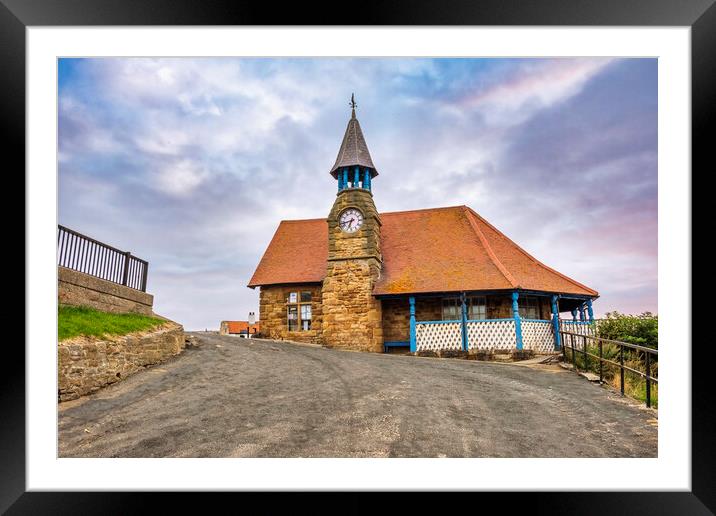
(568, 342)
(84, 254)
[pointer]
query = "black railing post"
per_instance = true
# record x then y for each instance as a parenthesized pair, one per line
(125, 273)
(145, 266)
(574, 356)
(586, 357)
(621, 369)
(648, 383)
(601, 364)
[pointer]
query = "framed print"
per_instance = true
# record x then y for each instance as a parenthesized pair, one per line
(443, 308)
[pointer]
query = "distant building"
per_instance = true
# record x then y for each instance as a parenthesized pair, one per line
(240, 328)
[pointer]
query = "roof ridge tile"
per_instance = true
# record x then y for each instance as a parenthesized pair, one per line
(457, 207)
(528, 255)
(488, 249)
(302, 220)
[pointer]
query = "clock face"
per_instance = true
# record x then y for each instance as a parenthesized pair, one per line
(350, 220)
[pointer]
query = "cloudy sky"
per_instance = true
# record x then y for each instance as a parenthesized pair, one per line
(191, 163)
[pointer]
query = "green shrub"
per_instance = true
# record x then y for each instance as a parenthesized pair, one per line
(640, 329)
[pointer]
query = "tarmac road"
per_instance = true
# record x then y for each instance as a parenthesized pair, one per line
(232, 397)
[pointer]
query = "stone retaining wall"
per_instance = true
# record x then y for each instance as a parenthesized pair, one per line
(80, 289)
(85, 365)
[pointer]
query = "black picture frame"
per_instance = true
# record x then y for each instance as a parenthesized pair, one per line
(17, 15)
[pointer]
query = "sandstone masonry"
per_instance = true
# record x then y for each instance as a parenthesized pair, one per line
(352, 317)
(80, 289)
(273, 302)
(86, 364)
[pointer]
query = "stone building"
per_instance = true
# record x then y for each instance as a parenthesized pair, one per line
(437, 278)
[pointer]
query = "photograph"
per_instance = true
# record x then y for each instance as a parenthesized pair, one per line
(422, 250)
(357, 257)
(410, 247)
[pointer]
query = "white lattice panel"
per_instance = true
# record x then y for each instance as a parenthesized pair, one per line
(538, 336)
(582, 328)
(491, 335)
(436, 336)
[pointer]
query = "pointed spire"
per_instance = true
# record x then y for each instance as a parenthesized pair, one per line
(354, 150)
(353, 105)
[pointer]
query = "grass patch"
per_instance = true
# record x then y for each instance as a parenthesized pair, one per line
(73, 321)
(635, 387)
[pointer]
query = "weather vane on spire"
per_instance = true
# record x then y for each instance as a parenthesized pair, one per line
(352, 103)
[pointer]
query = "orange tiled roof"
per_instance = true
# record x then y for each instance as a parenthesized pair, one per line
(297, 253)
(240, 326)
(432, 250)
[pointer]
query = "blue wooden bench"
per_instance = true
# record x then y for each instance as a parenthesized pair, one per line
(395, 344)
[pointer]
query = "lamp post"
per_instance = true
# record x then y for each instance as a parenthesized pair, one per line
(252, 321)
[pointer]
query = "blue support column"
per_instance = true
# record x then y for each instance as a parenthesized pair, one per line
(581, 313)
(340, 181)
(555, 323)
(345, 177)
(590, 311)
(366, 179)
(574, 314)
(518, 322)
(463, 309)
(411, 300)
(356, 178)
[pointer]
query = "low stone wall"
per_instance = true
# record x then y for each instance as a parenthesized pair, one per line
(85, 365)
(80, 289)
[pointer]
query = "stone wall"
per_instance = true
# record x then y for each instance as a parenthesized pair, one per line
(274, 317)
(86, 364)
(429, 309)
(545, 307)
(499, 307)
(396, 320)
(80, 289)
(351, 315)
(396, 316)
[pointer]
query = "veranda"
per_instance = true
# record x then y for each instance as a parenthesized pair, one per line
(494, 321)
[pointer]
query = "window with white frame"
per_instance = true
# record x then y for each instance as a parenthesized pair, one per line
(298, 310)
(451, 309)
(306, 317)
(477, 308)
(292, 317)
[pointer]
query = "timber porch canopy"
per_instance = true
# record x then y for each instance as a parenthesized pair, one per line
(444, 254)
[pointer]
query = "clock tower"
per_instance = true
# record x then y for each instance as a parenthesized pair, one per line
(351, 315)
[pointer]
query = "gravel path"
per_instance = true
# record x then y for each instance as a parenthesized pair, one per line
(231, 397)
